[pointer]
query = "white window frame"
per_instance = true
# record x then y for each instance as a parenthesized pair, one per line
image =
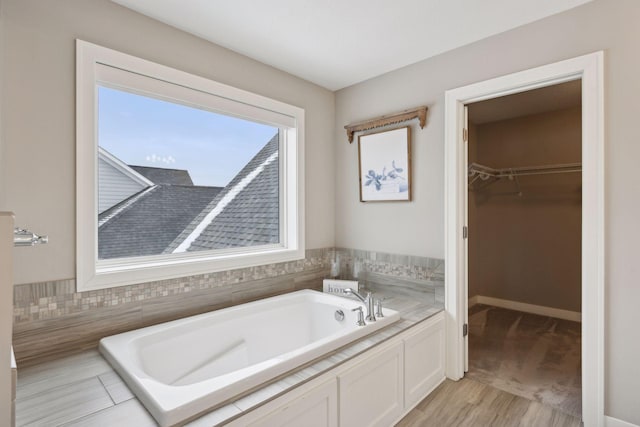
(97, 65)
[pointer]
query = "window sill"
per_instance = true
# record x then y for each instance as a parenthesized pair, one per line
(111, 274)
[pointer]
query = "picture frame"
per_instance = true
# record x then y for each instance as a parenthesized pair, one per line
(384, 160)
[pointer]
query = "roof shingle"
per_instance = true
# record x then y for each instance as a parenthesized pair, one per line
(151, 223)
(164, 176)
(251, 218)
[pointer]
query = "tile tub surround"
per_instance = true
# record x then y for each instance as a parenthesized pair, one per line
(406, 274)
(51, 319)
(83, 382)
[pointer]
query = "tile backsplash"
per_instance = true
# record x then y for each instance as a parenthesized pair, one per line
(45, 300)
(392, 271)
(359, 264)
(52, 319)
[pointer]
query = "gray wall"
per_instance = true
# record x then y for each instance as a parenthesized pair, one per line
(417, 228)
(6, 290)
(526, 248)
(39, 114)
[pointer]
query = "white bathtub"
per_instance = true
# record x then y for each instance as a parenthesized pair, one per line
(179, 369)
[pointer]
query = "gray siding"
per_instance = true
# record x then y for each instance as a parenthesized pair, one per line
(113, 186)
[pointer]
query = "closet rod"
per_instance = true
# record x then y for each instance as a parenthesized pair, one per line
(485, 172)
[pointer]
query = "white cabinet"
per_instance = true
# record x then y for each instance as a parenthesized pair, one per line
(375, 389)
(423, 360)
(311, 405)
(371, 392)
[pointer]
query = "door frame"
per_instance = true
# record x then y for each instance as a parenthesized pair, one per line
(589, 68)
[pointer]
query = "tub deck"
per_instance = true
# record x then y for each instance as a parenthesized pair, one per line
(84, 390)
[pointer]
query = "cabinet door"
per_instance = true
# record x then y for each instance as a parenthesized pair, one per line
(423, 360)
(371, 393)
(316, 407)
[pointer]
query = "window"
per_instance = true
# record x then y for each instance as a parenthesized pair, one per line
(180, 175)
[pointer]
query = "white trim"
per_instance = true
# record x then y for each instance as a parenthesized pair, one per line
(99, 65)
(614, 422)
(122, 167)
(589, 68)
(557, 313)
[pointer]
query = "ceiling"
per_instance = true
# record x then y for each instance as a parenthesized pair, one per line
(338, 43)
(537, 101)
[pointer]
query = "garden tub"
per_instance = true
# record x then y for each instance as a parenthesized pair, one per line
(182, 368)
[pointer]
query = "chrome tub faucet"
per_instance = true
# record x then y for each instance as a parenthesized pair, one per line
(368, 301)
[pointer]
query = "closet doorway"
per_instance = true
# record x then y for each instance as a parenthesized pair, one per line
(524, 244)
(589, 69)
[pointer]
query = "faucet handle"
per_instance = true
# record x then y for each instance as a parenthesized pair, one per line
(379, 308)
(360, 321)
(370, 307)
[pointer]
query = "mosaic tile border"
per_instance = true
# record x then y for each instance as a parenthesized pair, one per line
(52, 320)
(46, 300)
(54, 299)
(361, 264)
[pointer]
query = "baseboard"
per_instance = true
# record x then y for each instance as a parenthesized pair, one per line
(527, 308)
(473, 301)
(614, 422)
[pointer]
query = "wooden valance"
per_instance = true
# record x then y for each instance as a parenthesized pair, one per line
(419, 113)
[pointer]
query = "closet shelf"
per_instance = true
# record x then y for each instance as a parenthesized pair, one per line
(477, 171)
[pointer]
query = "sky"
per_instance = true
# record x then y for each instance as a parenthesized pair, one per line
(144, 131)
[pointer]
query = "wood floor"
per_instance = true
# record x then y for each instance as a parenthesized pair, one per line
(471, 403)
(532, 356)
(524, 370)
(83, 390)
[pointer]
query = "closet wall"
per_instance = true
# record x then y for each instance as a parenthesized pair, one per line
(526, 248)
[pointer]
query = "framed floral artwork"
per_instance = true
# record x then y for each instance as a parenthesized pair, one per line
(385, 165)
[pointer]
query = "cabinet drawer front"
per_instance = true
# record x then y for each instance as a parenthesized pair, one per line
(424, 361)
(316, 407)
(371, 393)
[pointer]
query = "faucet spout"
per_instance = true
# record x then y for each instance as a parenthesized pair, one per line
(368, 302)
(350, 291)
